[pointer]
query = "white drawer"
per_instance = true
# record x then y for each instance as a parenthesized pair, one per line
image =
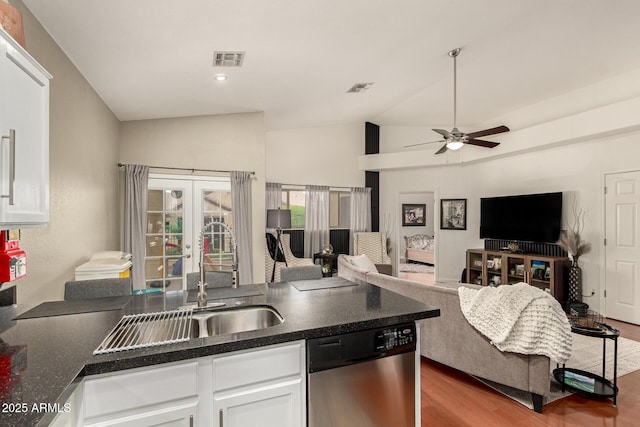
(126, 390)
(255, 366)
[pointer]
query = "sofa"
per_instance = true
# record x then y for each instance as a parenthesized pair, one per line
(452, 341)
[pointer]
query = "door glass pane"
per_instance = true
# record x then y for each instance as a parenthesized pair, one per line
(216, 207)
(164, 240)
(154, 200)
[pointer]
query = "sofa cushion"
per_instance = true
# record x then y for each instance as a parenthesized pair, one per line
(363, 262)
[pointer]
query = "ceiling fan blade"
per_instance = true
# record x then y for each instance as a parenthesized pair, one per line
(423, 143)
(486, 132)
(482, 143)
(442, 150)
(443, 132)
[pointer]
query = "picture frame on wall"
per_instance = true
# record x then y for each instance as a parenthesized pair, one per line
(413, 215)
(453, 214)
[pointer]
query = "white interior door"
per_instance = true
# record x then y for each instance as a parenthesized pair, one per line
(622, 250)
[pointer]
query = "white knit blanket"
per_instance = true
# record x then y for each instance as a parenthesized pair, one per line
(520, 319)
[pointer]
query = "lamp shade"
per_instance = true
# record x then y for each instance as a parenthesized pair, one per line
(278, 218)
(454, 145)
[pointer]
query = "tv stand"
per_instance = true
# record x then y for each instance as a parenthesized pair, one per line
(494, 268)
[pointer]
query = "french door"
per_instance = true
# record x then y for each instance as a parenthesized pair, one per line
(178, 207)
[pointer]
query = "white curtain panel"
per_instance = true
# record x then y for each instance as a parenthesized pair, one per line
(316, 219)
(273, 199)
(360, 215)
(242, 213)
(135, 220)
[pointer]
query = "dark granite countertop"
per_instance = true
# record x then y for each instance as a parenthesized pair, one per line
(59, 349)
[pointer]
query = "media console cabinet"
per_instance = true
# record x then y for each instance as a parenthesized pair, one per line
(493, 268)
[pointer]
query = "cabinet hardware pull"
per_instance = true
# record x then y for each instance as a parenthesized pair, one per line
(191, 421)
(12, 164)
(221, 418)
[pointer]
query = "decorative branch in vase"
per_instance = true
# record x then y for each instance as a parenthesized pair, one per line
(386, 229)
(571, 241)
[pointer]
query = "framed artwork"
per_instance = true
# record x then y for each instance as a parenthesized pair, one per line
(453, 214)
(413, 215)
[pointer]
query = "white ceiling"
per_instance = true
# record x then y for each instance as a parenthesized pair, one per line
(153, 58)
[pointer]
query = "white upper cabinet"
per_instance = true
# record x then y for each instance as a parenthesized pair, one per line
(24, 128)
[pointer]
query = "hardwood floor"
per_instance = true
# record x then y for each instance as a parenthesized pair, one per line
(452, 398)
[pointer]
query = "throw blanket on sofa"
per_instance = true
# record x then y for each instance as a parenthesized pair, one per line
(520, 319)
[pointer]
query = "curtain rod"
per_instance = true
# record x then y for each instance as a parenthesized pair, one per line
(304, 185)
(193, 170)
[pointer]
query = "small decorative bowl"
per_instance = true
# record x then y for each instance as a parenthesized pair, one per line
(327, 249)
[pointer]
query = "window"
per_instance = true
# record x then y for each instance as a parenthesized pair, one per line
(295, 201)
(339, 207)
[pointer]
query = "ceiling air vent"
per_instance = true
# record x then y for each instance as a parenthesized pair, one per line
(360, 87)
(227, 59)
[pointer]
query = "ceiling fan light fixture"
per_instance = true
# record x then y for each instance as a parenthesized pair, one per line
(454, 145)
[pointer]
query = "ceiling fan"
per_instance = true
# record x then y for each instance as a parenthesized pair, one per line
(455, 139)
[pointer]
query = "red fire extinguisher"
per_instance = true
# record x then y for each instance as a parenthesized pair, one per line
(13, 261)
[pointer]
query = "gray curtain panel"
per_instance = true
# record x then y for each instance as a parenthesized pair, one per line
(135, 220)
(273, 200)
(316, 219)
(360, 212)
(242, 212)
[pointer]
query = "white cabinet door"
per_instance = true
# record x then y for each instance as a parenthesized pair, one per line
(262, 387)
(279, 405)
(160, 395)
(24, 128)
(174, 416)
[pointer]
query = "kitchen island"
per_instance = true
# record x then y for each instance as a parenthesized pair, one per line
(59, 349)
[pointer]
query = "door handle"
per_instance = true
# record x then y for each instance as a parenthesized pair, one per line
(188, 254)
(12, 164)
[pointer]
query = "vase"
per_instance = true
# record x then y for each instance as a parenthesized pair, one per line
(575, 283)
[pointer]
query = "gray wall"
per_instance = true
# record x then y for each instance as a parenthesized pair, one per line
(83, 175)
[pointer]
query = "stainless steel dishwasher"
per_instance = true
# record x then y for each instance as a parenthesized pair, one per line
(364, 378)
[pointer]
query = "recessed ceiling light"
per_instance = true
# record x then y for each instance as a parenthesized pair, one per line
(220, 77)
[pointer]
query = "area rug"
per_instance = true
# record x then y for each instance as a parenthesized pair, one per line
(415, 268)
(587, 356)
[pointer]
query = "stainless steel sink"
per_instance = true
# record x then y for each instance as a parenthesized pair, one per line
(229, 321)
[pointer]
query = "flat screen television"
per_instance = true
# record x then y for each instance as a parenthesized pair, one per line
(526, 218)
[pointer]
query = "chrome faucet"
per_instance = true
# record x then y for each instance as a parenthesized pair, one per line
(202, 285)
